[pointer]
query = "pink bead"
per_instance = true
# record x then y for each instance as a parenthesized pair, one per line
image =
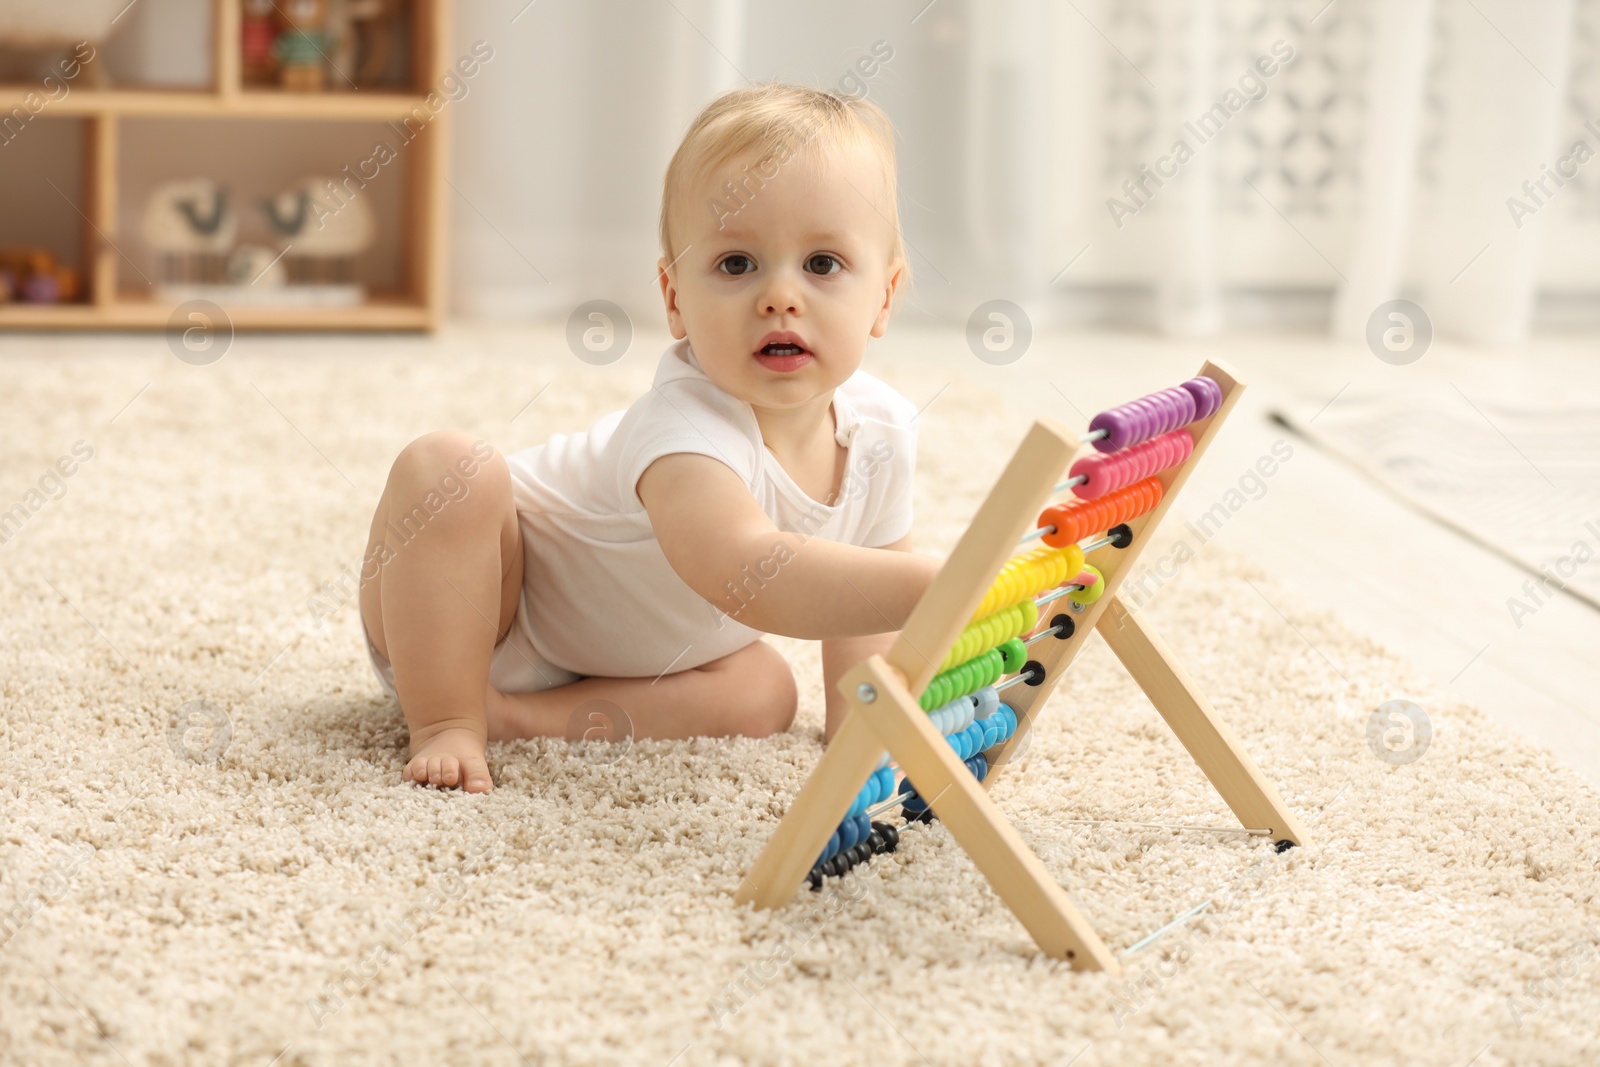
(1109, 471)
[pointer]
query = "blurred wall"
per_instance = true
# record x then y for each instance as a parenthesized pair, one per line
(1375, 161)
(1428, 149)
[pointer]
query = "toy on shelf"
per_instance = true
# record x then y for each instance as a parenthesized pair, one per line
(368, 35)
(194, 231)
(33, 276)
(191, 226)
(302, 48)
(258, 33)
(322, 229)
(948, 721)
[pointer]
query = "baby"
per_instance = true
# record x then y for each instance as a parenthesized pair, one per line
(763, 485)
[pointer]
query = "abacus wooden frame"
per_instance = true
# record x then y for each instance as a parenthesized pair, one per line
(884, 713)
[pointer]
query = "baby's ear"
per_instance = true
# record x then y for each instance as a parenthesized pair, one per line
(669, 297)
(896, 275)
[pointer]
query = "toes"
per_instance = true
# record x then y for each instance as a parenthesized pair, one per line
(476, 771)
(448, 771)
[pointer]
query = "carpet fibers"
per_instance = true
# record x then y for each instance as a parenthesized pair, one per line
(207, 857)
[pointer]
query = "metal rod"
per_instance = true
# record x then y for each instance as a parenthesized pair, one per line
(1041, 635)
(882, 806)
(1149, 939)
(1070, 482)
(1059, 592)
(1019, 677)
(1250, 830)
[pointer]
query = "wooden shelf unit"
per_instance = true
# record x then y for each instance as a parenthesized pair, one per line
(419, 305)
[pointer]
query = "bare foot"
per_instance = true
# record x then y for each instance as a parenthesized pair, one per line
(449, 758)
(507, 716)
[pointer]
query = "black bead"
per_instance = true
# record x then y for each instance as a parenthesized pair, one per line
(1283, 846)
(889, 835)
(861, 853)
(834, 867)
(815, 878)
(1064, 626)
(1121, 536)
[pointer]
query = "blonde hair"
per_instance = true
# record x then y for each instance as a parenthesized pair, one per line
(779, 122)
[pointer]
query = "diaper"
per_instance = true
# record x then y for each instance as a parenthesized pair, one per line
(515, 666)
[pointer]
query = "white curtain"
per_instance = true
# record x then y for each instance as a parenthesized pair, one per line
(1377, 161)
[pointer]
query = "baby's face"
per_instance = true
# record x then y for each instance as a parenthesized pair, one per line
(807, 254)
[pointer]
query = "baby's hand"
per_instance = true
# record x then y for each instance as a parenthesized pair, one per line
(449, 758)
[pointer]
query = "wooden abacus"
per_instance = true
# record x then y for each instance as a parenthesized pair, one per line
(889, 694)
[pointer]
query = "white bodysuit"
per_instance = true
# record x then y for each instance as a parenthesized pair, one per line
(600, 598)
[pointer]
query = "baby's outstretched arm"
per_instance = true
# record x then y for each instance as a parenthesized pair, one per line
(716, 536)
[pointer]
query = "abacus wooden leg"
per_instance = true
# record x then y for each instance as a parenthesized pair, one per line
(1209, 740)
(814, 815)
(961, 803)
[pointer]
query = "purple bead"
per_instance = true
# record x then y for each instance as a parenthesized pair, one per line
(1207, 396)
(1180, 408)
(1118, 425)
(1151, 416)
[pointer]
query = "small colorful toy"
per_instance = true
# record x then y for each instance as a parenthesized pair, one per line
(33, 275)
(935, 702)
(302, 48)
(258, 33)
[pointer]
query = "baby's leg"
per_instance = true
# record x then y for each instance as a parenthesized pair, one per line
(750, 692)
(445, 593)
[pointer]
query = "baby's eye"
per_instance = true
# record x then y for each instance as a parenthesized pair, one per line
(743, 264)
(824, 259)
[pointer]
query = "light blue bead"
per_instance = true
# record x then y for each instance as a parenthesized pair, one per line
(832, 847)
(847, 835)
(988, 700)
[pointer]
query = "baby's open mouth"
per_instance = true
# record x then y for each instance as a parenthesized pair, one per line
(782, 350)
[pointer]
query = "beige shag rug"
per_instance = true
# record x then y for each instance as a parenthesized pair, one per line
(261, 888)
